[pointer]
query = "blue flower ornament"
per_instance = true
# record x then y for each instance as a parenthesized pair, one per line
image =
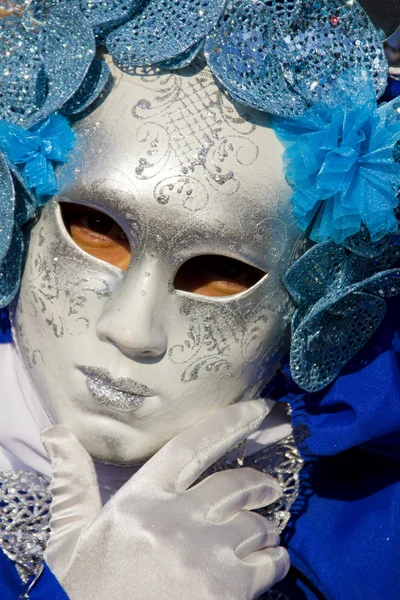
(340, 161)
(37, 151)
(27, 180)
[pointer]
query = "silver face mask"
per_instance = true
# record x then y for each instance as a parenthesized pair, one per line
(122, 358)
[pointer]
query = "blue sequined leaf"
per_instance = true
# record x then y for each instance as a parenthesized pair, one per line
(109, 12)
(69, 52)
(340, 298)
(182, 60)
(93, 85)
(7, 207)
(281, 57)
(322, 270)
(323, 344)
(21, 67)
(164, 30)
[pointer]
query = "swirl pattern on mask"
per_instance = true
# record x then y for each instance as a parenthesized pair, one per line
(195, 117)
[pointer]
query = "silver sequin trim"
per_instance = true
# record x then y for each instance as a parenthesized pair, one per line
(283, 462)
(24, 520)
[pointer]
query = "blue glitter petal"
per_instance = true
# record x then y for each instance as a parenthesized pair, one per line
(7, 207)
(164, 30)
(23, 83)
(182, 60)
(316, 273)
(110, 12)
(316, 358)
(92, 87)
(69, 52)
(341, 293)
(281, 57)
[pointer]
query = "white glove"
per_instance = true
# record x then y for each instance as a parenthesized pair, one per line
(158, 538)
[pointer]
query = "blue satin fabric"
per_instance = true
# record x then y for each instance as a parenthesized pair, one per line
(11, 587)
(345, 529)
(5, 328)
(392, 91)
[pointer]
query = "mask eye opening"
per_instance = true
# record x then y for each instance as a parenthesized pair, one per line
(216, 276)
(96, 233)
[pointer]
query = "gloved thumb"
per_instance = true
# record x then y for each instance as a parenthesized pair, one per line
(76, 497)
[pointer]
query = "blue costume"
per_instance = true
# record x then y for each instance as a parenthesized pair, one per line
(343, 536)
(345, 526)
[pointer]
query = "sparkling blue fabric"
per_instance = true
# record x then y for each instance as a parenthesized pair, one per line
(339, 160)
(37, 149)
(282, 57)
(344, 533)
(257, 49)
(94, 85)
(164, 30)
(7, 207)
(48, 50)
(339, 296)
(12, 588)
(69, 49)
(109, 12)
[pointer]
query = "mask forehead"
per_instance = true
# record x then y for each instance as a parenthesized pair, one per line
(179, 153)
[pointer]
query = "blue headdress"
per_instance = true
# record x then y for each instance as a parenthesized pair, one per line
(319, 67)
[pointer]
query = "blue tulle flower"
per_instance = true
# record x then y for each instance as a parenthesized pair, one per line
(340, 162)
(37, 150)
(27, 180)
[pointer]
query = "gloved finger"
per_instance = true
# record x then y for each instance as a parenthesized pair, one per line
(249, 533)
(76, 497)
(269, 566)
(182, 460)
(226, 493)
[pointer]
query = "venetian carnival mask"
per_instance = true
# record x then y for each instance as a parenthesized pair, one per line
(189, 313)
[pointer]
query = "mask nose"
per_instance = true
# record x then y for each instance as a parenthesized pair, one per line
(132, 320)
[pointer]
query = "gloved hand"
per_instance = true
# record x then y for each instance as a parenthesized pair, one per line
(158, 538)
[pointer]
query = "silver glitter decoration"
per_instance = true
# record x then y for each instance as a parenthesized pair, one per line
(282, 461)
(24, 520)
(121, 394)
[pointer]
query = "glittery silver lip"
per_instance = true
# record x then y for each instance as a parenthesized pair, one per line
(121, 394)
